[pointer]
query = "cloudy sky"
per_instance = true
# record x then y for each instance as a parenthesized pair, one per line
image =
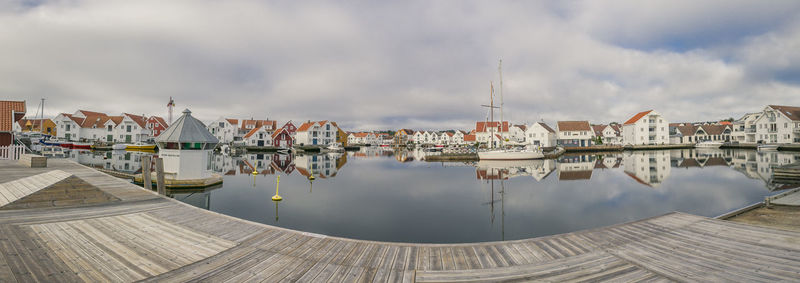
(390, 64)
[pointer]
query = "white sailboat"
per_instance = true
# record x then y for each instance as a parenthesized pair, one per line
(502, 153)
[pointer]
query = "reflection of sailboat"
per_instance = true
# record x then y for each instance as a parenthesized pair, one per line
(536, 168)
(491, 202)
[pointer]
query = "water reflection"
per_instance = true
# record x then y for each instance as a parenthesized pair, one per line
(382, 194)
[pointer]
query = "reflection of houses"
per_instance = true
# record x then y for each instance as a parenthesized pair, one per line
(608, 162)
(223, 164)
(321, 166)
(575, 167)
(647, 167)
(494, 170)
(283, 163)
(758, 165)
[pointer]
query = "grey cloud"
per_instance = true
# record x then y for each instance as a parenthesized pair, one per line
(417, 64)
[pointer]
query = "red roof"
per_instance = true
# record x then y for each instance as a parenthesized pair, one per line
(279, 131)
(90, 113)
(637, 117)
(481, 126)
(141, 120)
(234, 122)
(307, 125)
(10, 112)
(566, 126)
(546, 127)
(469, 137)
(258, 123)
(160, 121)
(791, 112)
(252, 132)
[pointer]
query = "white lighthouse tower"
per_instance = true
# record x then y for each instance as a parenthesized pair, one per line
(186, 147)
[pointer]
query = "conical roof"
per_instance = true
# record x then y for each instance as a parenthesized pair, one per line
(187, 129)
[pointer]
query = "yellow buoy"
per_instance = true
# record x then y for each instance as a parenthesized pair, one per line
(277, 197)
(255, 172)
(311, 174)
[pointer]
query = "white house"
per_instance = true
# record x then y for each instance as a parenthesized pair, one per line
(258, 136)
(362, 138)
(131, 129)
(540, 134)
(778, 124)
(647, 127)
(516, 133)
(609, 134)
(574, 133)
(744, 129)
(445, 138)
(458, 137)
(316, 133)
(224, 129)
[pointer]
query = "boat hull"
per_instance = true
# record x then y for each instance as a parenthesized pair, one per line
(141, 147)
(708, 145)
(509, 155)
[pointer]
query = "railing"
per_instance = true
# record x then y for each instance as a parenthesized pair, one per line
(750, 130)
(12, 152)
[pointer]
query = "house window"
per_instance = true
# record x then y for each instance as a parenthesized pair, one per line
(128, 128)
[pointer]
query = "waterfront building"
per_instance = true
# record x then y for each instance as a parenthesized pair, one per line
(403, 136)
(258, 136)
(131, 129)
(458, 137)
(362, 138)
(778, 124)
(10, 113)
(516, 134)
(186, 147)
(649, 168)
(282, 138)
(470, 138)
(445, 138)
(341, 135)
(317, 133)
(155, 125)
(713, 133)
(744, 128)
(224, 129)
(609, 134)
(540, 134)
(290, 128)
(646, 128)
(574, 133)
(682, 133)
(44, 126)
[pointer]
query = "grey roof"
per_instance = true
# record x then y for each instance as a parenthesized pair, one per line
(187, 129)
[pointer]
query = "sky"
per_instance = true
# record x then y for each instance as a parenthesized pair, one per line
(373, 65)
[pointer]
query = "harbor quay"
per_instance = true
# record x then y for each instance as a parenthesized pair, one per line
(69, 222)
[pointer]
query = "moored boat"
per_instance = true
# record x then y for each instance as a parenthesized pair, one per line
(335, 147)
(80, 145)
(120, 146)
(140, 146)
(505, 154)
(768, 147)
(708, 144)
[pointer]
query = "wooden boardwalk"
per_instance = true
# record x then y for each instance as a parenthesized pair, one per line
(116, 231)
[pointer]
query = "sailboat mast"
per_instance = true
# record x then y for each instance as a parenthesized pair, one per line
(500, 71)
(491, 114)
(41, 118)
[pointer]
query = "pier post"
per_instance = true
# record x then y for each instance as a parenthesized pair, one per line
(160, 176)
(147, 180)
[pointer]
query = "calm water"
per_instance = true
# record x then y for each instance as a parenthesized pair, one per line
(387, 196)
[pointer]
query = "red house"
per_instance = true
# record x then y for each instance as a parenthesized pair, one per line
(281, 138)
(290, 128)
(156, 125)
(10, 113)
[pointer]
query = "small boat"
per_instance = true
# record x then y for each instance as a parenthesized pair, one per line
(708, 144)
(140, 146)
(119, 146)
(80, 145)
(335, 147)
(66, 144)
(768, 147)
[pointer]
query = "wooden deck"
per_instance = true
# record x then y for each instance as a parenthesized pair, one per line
(134, 235)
